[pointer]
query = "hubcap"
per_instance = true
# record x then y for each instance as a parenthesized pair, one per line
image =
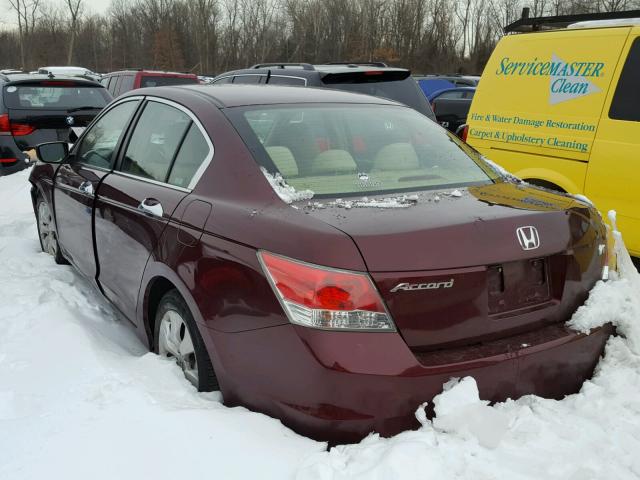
(174, 341)
(47, 233)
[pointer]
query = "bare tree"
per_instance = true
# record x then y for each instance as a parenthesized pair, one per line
(27, 12)
(75, 10)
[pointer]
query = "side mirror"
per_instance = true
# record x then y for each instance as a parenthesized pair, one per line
(52, 152)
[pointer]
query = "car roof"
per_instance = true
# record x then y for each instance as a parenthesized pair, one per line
(243, 95)
(307, 70)
(154, 72)
(30, 77)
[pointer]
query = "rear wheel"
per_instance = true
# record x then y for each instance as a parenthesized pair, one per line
(47, 231)
(178, 337)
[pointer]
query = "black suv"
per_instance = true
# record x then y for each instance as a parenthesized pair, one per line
(43, 108)
(375, 79)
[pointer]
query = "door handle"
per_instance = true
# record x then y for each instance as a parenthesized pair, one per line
(151, 206)
(86, 187)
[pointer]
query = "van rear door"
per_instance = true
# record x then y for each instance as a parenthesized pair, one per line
(614, 174)
(542, 94)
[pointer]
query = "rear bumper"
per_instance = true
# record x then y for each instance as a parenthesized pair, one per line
(339, 386)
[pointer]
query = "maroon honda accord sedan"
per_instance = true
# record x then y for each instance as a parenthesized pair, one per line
(327, 258)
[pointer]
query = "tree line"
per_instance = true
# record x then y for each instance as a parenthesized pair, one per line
(212, 36)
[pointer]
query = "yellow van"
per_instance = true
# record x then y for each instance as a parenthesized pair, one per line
(561, 109)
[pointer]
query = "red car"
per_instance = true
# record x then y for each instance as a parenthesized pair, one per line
(327, 258)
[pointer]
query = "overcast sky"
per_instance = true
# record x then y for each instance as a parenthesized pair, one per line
(7, 17)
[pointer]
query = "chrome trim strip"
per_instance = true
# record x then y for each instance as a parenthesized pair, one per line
(150, 180)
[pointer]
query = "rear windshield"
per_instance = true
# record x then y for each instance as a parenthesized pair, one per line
(54, 97)
(150, 81)
(404, 91)
(339, 150)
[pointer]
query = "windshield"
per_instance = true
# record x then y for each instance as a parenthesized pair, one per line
(348, 150)
(404, 91)
(151, 81)
(52, 97)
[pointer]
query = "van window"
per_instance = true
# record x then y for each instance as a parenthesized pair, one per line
(126, 84)
(626, 101)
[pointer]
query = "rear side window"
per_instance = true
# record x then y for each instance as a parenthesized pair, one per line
(280, 80)
(626, 101)
(247, 79)
(223, 80)
(54, 95)
(404, 91)
(156, 81)
(126, 84)
(99, 143)
(155, 141)
(190, 158)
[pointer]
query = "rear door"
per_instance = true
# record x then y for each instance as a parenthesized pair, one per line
(614, 168)
(77, 181)
(45, 111)
(135, 203)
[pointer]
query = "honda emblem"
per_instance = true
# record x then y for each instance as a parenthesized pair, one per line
(70, 120)
(528, 237)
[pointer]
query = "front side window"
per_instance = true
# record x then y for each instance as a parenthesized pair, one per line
(155, 141)
(98, 145)
(626, 101)
(357, 149)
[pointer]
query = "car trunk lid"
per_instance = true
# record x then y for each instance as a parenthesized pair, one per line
(452, 270)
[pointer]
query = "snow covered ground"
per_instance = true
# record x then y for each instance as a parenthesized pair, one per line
(80, 398)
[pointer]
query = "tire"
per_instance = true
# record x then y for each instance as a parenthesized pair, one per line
(47, 231)
(176, 335)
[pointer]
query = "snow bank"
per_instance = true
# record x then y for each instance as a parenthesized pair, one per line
(286, 192)
(81, 398)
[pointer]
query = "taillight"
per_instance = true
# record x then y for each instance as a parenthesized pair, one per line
(17, 129)
(4, 124)
(325, 298)
(464, 133)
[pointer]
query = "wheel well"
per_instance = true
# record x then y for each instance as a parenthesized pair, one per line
(545, 184)
(156, 290)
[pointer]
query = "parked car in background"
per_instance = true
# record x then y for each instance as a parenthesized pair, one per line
(451, 106)
(230, 227)
(561, 108)
(433, 83)
(36, 109)
(69, 71)
(375, 79)
(121, 82)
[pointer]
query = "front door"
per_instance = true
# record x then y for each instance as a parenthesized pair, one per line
(76, 184)
(136, 201)
(614, 168)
